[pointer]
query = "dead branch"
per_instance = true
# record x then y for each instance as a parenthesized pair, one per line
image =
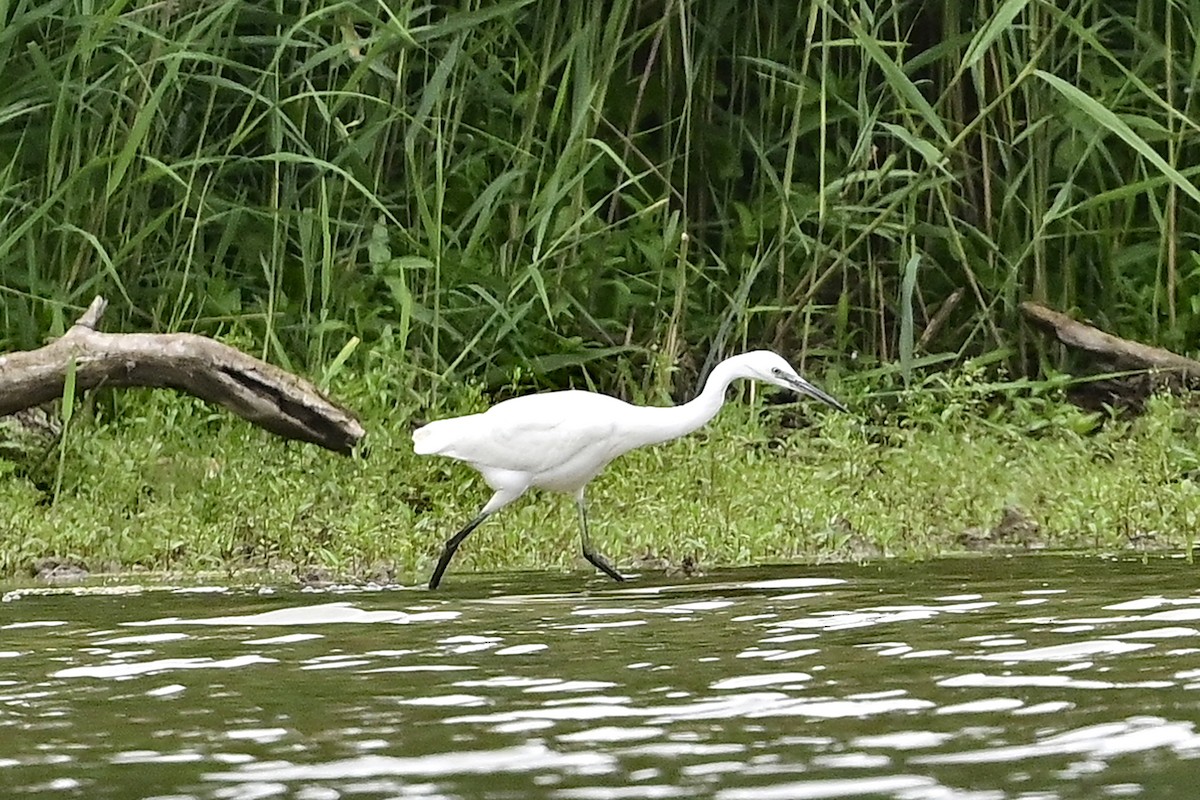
(1120, 353)
(266, 395)
(939, 319)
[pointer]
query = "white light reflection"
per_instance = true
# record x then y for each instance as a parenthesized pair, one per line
(1052, 707)
(752, 681)
(1176, 615)
(1072, 651)
(849, 787)
(523, 758)
(252, 791)
(260, 735)
(596, 626)
(1147, 603)
(647, 791)
(121, 671)
(985, 706)
(334, 662)
(55, 785)
(1158, 633)
(842, 761)
(707, 768)
(317, 793)
(468, 643)
(836, 709)
(324, 614)
(748, 705)
(521, 649)
(844, 620)
(1105, 740)
(423, 668)
(155, 757)
(776, 654)
(447, 701)
(681, 749)
(571, 686)
(611, 733)
(904, 740)
(978, 679)
(687, 608)
(508, 682)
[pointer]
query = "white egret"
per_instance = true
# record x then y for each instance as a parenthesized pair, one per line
(561, 440)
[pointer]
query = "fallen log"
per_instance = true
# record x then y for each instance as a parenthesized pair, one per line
(270, 397)
(1121, 354)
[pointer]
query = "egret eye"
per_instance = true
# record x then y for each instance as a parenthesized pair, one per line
(776, 371)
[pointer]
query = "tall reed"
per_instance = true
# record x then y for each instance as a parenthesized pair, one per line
(472, 188)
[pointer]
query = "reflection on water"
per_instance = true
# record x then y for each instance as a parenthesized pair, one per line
(1036, 677)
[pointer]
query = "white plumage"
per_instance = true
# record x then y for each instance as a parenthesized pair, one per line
(559, 441)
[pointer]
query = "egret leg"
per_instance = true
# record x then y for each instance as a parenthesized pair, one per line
(452, 546)
(598, 561)
(499, 500)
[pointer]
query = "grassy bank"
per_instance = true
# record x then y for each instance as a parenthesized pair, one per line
(173, 485)
(537, 194)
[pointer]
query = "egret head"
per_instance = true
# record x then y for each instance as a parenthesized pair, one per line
(772, 368)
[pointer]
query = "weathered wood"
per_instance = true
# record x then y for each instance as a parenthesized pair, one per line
(939, 319)
(266, 395)
(1120, 353)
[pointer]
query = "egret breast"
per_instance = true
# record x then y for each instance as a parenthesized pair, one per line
(576, 470)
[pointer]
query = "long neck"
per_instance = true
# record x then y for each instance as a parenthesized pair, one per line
(664, 424)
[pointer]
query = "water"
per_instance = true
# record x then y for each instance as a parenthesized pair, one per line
(1035, 677)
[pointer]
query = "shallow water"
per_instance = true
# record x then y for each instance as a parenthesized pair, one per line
(1034, 677)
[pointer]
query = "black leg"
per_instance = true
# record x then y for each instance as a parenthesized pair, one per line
(451, 546)
(598, 561)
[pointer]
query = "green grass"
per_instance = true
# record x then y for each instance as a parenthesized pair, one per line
(409, 198)
(178, 487)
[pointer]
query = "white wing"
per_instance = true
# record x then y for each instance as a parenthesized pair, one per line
(532, 434)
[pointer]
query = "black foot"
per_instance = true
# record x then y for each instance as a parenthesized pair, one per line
(599, 563)
(451, 547)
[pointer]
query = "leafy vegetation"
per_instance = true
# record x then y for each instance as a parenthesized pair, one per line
(180, 488)
(478, 188)
(423, 205)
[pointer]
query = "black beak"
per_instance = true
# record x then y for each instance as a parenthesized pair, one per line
(804, 387)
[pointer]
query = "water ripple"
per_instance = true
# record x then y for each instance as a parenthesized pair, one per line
(978, 679)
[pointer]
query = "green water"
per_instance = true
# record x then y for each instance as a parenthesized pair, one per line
(1035, 677)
